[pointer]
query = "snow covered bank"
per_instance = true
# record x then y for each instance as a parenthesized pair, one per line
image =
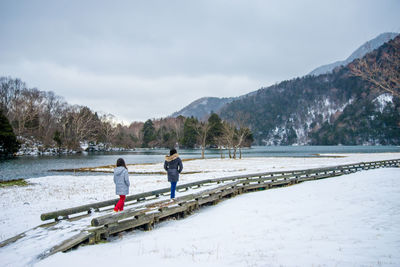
(22, 206)
(226, 167)
(59, 192)
(352, 220)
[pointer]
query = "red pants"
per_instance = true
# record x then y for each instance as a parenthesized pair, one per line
(120, 204)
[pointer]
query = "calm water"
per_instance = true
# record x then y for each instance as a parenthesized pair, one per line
(38, 166)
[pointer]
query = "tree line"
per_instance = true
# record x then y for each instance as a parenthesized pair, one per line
(29, 113)
(192, 133)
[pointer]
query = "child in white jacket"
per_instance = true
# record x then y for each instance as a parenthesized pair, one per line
(121, 180)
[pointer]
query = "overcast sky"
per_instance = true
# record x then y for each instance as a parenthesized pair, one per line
(147, 59)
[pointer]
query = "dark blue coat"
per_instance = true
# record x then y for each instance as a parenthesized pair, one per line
(173, 166)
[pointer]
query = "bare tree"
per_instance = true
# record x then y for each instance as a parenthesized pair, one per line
(228, 136)
(85, 124)
(50, 116)
(136, 130)
(25, 111)
(383, 77)
(202, 131)
(79, 124)
(243, 131)
(177, 125)
(242, 134)
(10, 91)
(220, 143)
(108, 126)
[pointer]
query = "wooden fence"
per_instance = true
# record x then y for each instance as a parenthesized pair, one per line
(248, 181)
(141, 213)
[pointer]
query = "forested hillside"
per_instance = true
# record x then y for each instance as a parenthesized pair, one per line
(357, 104)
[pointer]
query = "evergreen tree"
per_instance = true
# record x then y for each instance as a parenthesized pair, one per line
(190, 132)
(216, 129)
(8, 141)
(149, 133)
(57, 138)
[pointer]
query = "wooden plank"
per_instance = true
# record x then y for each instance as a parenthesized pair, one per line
(165, 212)
(68, 244)
(212, 191)
(282, 182)
(12, 240)
(274, 178)
(210, 198)
(193, 184)
(21, 235)
(130, 224)
(228, 191)
(317, 177)
(256, 186)
(115, 217)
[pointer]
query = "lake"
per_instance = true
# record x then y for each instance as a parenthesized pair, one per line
(38, 166)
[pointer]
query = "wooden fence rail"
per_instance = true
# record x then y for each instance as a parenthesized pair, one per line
(276, 178)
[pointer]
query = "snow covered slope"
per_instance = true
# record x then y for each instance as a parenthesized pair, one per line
(352, 220)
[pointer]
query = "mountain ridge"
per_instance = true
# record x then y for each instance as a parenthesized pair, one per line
(367, 47)
(201, 107)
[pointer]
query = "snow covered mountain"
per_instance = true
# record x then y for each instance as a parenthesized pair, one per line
(354, 105)
(359, 53)
(202, 107)
(339, 107)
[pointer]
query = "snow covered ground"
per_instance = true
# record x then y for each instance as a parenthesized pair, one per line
(350, 220)
(225, 167)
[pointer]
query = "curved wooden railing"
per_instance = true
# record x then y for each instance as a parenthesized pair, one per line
(249, 181)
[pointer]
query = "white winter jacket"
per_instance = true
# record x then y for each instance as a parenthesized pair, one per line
(121, 180)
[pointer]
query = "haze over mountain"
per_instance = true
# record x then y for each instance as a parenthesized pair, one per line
(203, 106)
(359, 53)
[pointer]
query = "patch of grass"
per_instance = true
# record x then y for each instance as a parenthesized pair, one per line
(328, 156)
(189, 159)
(17, 182)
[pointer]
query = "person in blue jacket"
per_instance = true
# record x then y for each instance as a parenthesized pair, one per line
(173, 166)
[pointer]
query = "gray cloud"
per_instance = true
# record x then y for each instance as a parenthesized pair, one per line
(146, 59)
